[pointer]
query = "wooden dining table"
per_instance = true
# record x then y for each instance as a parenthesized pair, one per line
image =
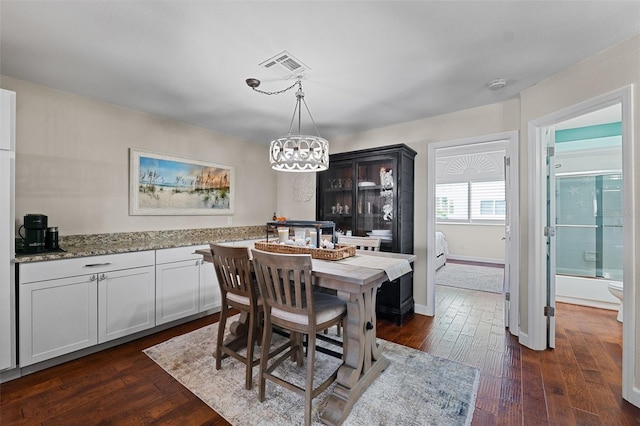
(362, 359)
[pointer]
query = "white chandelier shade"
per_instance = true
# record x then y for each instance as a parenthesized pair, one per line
(299, 153)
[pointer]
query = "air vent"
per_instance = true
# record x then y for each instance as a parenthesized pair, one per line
(285, 65)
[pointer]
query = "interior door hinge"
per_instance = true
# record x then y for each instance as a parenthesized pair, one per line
(507, 161)
(507, 296)
(549, 231)
(551, 151)
(549, 311)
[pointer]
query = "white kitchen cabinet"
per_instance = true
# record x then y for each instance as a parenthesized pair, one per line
(7, 229)
(185, 285)
(70, 304)
(210, 297)
(126, 302)
(57, 317)
(177, 290)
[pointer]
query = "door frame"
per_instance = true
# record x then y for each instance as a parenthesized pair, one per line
(513, 245)
(537, 291)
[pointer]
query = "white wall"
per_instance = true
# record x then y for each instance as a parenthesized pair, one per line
(72, 163)
(483, 243)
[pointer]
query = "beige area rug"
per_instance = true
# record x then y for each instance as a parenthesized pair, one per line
(472, 277)
(416, 389)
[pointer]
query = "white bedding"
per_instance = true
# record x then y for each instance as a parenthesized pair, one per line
(442, 250)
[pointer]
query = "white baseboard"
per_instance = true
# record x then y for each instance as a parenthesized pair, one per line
(523, 339)
(588, 302)
(475, 259)
(421, 309)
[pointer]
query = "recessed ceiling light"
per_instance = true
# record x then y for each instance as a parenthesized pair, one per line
(497, 84)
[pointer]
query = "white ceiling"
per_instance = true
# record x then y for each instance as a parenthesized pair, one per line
(373, 64)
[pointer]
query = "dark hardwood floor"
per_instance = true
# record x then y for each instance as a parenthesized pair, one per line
(578, 383)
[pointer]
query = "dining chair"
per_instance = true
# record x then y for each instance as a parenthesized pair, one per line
(286, 285)
(361, 243)
(238, 290)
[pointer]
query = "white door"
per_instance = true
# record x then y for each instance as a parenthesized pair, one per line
(7, 224)
(126, 302)
(550, 233)
(506, 284)
(177, 290)
(57, 317)
(210, 297)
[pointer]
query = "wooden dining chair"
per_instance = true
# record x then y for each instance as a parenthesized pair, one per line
(361, 243)
(290, 303)
(238, 290)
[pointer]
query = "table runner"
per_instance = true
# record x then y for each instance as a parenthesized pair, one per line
(395, 268)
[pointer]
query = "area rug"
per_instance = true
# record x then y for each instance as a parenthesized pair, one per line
(416, 389)
(472, 277)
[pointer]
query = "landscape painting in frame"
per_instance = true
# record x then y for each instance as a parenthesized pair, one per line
(164, 185)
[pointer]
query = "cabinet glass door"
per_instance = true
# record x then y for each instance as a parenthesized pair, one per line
(338, 196)
(375, 194)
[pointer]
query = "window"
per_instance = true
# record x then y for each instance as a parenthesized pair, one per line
(452, 201)
(471, 201)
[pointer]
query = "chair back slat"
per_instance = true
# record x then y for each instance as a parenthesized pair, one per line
(361, 243)
(233, 269)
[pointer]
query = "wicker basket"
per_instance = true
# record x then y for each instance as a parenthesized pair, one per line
(341, 251)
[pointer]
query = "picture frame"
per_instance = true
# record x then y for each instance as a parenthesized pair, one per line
(167, 185)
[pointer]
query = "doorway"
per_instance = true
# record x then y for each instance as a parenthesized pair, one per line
(510, 165)
(542, 241)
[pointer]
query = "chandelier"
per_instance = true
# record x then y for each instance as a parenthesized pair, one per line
(298, 152)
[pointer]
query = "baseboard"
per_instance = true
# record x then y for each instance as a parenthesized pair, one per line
(475, 259)
(421, 309)
(588, 302)
(523, 339)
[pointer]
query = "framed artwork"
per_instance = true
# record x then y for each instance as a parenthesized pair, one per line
(164, 185)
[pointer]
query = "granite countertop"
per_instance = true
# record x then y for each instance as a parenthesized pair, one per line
(101, 244)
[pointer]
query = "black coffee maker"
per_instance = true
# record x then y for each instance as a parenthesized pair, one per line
(35, 229)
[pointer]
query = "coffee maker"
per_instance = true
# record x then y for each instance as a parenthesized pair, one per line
(35, 228)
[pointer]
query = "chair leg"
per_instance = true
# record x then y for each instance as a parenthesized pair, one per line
(298, 354)
(250, 340)
(308, 393)
(264, 355)
(221, 326)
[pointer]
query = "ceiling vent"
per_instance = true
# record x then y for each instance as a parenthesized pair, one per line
(285, 65)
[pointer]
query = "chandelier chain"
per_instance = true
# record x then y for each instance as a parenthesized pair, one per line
(277, 92)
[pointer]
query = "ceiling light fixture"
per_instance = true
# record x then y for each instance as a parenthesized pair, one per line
(296, 153)
(497, 84)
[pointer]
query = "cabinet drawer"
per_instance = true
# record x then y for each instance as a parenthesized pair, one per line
(52, 269)
(178, 254)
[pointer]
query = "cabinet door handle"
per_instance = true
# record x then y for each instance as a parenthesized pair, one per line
(103, 277)
(198, 262)
(92, 265)
(92, 277)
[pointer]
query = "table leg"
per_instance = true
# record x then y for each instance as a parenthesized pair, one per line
(238, 332)
(363, 361)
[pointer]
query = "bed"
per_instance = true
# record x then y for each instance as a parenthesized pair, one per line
(441, 250)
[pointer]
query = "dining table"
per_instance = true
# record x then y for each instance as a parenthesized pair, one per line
(356, 281)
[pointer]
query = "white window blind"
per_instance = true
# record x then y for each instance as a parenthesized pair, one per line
(452, 201)
(471, 201)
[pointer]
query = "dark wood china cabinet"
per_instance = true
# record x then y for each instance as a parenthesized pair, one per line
(370, 193)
